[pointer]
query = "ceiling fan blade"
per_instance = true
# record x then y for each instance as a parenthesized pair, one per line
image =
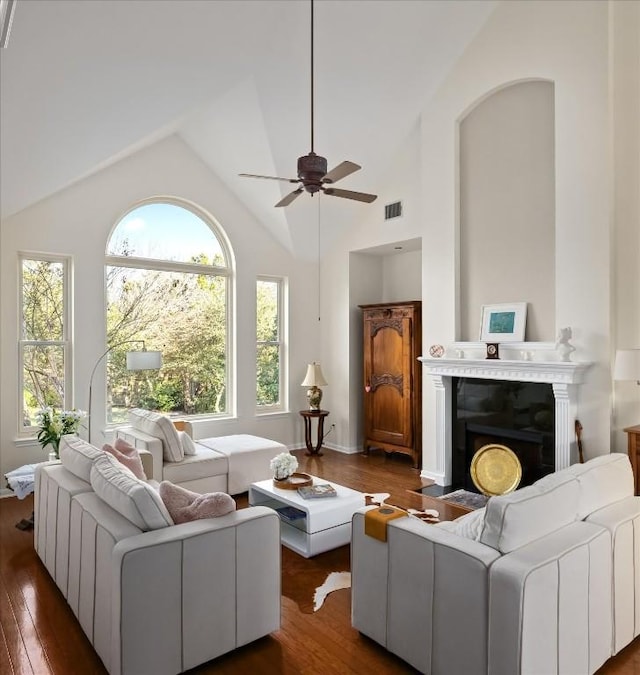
(253, 175)
(349, 194)
(341, 171)
(285, 201)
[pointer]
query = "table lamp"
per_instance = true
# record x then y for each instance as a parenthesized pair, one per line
(314, 379)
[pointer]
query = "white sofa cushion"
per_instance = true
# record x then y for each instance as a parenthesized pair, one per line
(161, 427)
(249, 458)
(520, 517)
(603, 480)
(469, 526)
(203, 464)
(78, 456)
(188, 446)
(126, 494)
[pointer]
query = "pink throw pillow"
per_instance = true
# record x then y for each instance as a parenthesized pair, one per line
(127, 455)
(184, 505)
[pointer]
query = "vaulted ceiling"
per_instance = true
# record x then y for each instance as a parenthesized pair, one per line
(83, 84)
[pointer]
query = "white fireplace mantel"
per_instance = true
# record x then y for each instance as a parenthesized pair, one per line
(563, 376)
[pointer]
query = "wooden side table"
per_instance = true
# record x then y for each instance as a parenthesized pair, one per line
(633, 439)
(307, 416)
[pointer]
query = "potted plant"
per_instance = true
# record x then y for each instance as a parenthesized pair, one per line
(53, 425)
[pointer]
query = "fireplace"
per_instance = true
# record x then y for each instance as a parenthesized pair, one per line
(518, 415)
(556, 406)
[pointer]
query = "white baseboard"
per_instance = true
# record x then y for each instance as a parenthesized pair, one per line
(343, 449)
(433, 475)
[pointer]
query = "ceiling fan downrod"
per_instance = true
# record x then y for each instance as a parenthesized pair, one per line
(312, 81)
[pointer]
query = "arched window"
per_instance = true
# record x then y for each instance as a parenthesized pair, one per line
(168, 285)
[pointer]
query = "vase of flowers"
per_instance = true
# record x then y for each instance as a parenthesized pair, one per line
(54, 424)
(283, 465)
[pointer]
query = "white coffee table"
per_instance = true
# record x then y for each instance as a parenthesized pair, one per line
(327, 521)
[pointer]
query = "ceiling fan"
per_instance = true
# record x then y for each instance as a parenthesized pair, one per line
(312, 169)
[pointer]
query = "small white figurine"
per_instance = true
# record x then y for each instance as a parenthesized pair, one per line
(563, 345)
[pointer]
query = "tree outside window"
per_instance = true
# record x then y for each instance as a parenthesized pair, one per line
(44, 344)
(168, 284)
(269, 345)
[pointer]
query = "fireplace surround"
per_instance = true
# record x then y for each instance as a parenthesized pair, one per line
(564, 378)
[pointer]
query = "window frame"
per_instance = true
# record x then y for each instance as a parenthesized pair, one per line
(67, 334)
(155, 264)
(282, 343)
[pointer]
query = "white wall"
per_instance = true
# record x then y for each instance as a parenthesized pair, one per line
(402, 277)
(366, 286)
(626, 270)
(352, 276)
(566, 43)
(507, 201)
(77, 222)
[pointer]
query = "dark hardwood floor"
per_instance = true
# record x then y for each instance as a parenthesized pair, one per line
(40, 635)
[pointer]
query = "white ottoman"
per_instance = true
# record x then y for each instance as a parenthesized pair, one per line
(249, 458)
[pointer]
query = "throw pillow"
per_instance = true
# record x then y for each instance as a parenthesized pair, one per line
(184, 505)
(469, 525)
(161, 427)
(127, 455)
(188, 446)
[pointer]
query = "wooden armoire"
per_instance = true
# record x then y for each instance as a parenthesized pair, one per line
(392, 335)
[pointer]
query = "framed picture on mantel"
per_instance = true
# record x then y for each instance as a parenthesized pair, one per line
(504, 322)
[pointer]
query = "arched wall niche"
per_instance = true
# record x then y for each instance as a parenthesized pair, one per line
(506, 206)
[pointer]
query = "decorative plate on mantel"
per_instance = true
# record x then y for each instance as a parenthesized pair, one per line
(436, 351)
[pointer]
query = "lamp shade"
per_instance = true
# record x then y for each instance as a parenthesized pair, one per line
(314, 376)
(627, 365)
(143, 360)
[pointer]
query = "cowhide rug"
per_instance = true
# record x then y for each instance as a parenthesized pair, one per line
(308, 581)
(334, 582)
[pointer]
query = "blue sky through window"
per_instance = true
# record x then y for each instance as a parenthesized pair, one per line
(165, 232)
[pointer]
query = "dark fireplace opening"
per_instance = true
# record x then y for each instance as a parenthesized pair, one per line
(520, 415)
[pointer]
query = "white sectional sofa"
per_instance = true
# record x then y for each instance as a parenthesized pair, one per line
(153, 598)
(216, 464)
(546, 580)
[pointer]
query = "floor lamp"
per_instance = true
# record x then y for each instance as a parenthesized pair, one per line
(136, 360)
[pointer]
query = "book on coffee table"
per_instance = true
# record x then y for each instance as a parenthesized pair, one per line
(316, 491)
(290, 513)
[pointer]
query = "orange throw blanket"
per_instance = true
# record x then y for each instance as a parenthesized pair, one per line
(375, 520)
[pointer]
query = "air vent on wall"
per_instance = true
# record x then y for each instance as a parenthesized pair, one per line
(393, 210)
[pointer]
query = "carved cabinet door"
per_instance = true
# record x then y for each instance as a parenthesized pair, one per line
(388, 369)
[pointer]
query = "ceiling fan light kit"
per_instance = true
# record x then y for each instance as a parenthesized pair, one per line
(312, 169)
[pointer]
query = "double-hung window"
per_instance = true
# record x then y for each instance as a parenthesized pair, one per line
(270, 344)
(45, 332)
